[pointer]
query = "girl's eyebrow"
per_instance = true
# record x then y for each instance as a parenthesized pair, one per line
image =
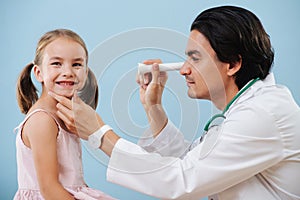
(59, 58)
(56, 58)
(78, 59)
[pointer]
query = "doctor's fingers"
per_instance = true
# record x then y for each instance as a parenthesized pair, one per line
(147, 77)
(144, 79)
(62, 100)
(163, 77)
(139, 78)
(151, 61)
(155, 73)
(66, 115)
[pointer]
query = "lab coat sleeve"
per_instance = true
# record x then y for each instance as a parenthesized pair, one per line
(133, 167)
(170, 142)
(238, 152)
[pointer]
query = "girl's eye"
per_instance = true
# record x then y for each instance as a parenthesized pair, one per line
(77, 65)
(56, 64)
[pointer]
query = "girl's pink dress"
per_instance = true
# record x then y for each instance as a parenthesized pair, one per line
(70, 167)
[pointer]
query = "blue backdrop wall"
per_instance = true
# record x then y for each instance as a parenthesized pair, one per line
(100, 23)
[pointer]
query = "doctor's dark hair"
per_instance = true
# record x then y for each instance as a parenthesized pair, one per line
(26, 91)
(237, 34)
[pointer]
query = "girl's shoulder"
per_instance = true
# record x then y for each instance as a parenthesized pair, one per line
(40, 117)
(39, 123)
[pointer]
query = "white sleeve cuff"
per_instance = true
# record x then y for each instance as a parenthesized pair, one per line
(170, 141)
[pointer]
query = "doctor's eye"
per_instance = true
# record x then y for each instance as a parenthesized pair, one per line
(195, 59)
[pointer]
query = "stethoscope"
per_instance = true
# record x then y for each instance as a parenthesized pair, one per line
(222, 115)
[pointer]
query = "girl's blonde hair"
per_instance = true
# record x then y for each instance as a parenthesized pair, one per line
(27, 92)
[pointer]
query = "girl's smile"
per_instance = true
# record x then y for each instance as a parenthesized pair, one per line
(63, 69)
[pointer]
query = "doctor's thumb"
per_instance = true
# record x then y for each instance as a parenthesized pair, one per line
(76, 98)
(155, 73)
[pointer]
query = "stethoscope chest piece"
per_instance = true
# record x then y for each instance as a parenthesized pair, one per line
(210, 138)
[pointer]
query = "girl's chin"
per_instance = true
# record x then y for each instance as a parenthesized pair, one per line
(67, 95)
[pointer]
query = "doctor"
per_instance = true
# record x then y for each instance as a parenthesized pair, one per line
(253, 153)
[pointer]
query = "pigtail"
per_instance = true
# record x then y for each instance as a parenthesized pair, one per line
(26, 91)
(89, 93)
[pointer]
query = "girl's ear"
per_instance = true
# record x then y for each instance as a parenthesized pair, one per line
(233, 68)
(38, 73)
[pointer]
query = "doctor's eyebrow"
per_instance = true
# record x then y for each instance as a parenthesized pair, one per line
(192, 52)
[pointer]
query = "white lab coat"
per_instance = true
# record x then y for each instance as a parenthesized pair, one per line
(255, 154)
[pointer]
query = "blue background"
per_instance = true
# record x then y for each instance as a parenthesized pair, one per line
(23, 23)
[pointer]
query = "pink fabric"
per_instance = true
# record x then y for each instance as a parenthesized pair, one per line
(70, 167)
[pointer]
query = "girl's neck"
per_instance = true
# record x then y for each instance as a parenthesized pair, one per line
(48, 103)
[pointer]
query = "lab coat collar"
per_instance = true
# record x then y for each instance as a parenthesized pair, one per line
(250, 92)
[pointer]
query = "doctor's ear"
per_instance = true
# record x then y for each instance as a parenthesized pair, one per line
(38, 73)
(234, 67)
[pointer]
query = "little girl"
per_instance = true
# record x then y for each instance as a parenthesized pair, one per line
(48, 156)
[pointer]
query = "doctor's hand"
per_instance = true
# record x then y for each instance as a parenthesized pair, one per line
(78, 117)
(151, 89)
(152, 84)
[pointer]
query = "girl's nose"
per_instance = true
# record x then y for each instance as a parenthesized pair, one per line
(185, 69)
(67, 71)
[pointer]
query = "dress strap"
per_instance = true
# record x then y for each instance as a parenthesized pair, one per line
(33, 112)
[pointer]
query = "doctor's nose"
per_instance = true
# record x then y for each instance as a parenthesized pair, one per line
(185, 69)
